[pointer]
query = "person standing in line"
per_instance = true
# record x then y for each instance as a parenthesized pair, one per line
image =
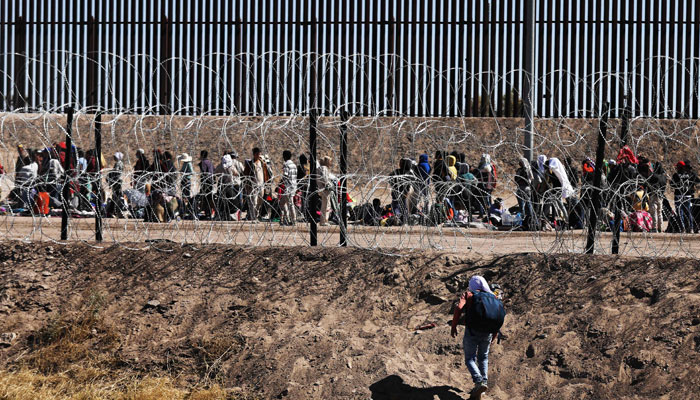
(487, 181)
(237, 174)
(657, 189)
(206, 184)
(523, 179)
(140, 170)
(224, 176)
(115, 181)
(257, 174)
(289, 183)
(303, 185)
(25, 180)
(326, 187)
(186, 172)
(424, 183)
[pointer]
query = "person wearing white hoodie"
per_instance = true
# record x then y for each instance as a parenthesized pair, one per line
(228, 174)
(559, 181)
(289, 183)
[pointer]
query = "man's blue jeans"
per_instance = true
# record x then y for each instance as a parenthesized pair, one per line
(476, 354)
(685, 213)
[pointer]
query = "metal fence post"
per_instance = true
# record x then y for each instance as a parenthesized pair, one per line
(597, 177)
(312, 201)
(98, 183)
(20, 71)
(343, 179)
(164, 63)
(68, 172)
(92, 63)
(529, 82)
(313, 119)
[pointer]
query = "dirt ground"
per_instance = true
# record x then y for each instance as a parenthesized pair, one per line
(477, 241)
(332, 323)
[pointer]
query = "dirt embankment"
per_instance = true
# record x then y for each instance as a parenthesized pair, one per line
(302, 323)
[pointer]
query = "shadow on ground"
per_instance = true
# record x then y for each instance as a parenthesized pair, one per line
(393, 388)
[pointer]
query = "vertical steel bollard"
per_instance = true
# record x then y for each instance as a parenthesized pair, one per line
(98, 183)
(597, 177)
(68, 171)
(343, 179)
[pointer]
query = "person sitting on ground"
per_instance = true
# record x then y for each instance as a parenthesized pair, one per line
(374, 215)
(496, 212)
(25, 181)
(484, 318)
(451, 168)
(640, 219)
(54, 180)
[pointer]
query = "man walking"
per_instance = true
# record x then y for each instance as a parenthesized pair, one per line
(484, 318)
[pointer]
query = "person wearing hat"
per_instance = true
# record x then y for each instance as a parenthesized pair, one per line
(186, 172)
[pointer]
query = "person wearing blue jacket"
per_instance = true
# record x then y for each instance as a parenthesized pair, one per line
(424, 171)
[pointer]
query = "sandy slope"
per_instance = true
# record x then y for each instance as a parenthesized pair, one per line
(302, 323)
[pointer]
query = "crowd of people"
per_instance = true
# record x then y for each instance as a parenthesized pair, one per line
(159, 192)
(550, 193)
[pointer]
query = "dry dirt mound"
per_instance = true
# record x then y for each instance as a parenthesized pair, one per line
(301, 323)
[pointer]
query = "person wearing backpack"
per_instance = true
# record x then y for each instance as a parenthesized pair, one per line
(484, 318)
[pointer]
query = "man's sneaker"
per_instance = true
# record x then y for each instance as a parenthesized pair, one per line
(480, 388)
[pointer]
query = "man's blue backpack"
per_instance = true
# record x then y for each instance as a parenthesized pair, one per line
(486, 313)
